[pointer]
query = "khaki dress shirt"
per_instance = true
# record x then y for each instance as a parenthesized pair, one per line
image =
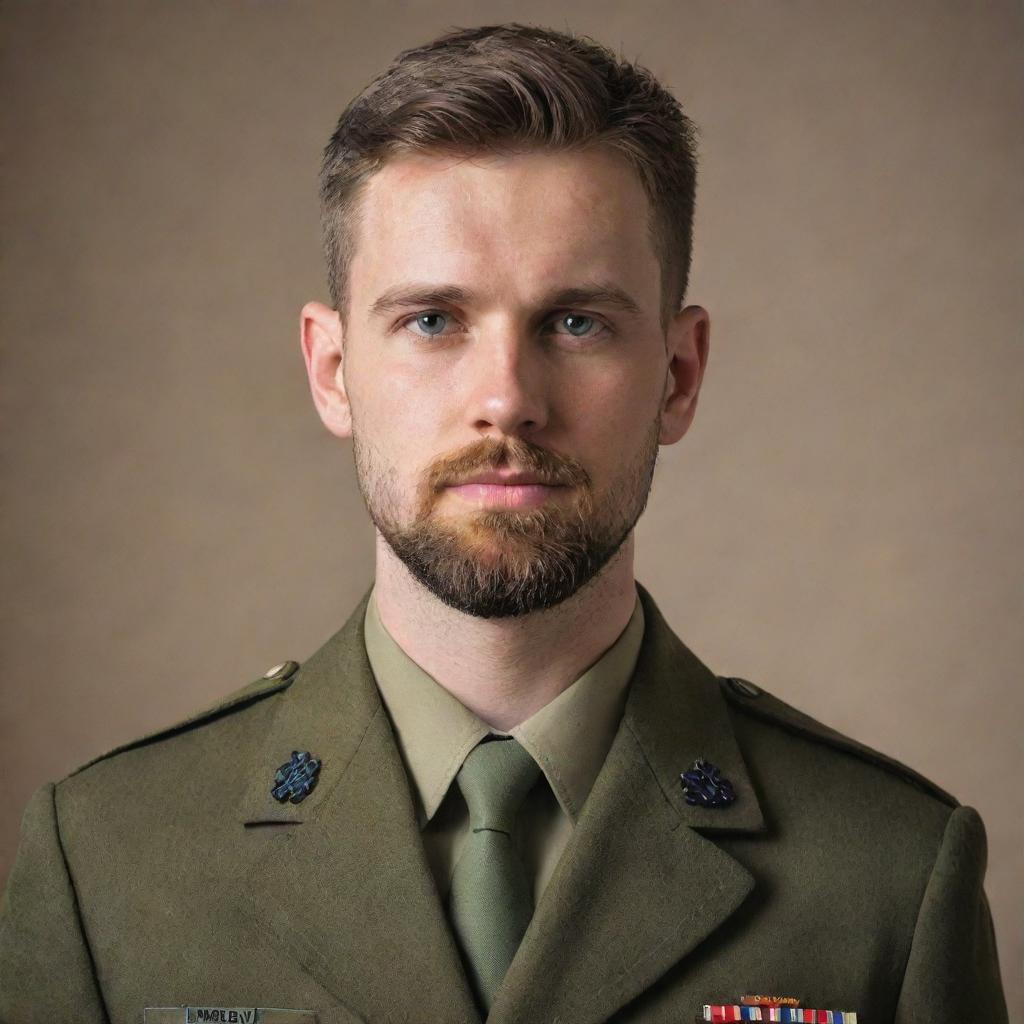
(569, 738)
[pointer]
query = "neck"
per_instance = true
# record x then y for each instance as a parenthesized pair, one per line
(504, 670)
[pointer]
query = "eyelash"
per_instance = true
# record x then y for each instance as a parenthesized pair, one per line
(602, 324)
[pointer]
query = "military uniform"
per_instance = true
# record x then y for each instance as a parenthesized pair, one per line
(165, 874)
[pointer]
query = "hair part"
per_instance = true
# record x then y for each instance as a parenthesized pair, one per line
(512, 88)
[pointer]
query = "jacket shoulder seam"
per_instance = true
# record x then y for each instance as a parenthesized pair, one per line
(251, 694)
(778, 713)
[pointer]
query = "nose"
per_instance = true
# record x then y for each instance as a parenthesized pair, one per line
(508, 392)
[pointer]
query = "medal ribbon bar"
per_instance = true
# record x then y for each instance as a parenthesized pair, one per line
(784, 1014)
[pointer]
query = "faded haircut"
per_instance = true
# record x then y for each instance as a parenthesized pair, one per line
(513, 88)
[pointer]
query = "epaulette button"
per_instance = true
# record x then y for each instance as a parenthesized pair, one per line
(282, 671)
(742, 688)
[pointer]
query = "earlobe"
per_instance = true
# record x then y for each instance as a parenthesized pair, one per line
(688, 341)
(322, 341)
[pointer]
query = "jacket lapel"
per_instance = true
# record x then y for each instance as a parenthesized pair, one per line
(638, 887)
(341, 880)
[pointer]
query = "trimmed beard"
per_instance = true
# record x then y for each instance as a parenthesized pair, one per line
(496, 563)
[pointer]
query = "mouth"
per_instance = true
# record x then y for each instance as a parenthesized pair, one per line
(505, 488)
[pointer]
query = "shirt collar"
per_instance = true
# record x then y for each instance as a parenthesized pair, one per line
(569, 737)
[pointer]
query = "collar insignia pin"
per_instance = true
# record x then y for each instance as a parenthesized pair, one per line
(705, 785)
(295, 779)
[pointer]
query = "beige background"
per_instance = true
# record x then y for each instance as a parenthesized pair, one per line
(841, 525)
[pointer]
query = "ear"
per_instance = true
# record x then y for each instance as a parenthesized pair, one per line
(321, 336)
(687, 340)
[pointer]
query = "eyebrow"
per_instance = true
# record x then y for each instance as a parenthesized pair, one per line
(405, 296)
(402, 296)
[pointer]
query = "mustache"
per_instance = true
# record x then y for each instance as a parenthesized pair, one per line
(511, 452)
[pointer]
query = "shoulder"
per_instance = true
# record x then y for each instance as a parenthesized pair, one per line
(232, 706)
(172, 785)
(778, 724)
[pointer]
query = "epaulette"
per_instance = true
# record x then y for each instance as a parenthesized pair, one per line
(759, 703)
(274, 680)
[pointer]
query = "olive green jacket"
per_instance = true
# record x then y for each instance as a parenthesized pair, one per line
(164, 874)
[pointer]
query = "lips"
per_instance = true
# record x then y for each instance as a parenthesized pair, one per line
(505, 488)
(505, 478)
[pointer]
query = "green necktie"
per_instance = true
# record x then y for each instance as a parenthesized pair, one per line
(491, 900)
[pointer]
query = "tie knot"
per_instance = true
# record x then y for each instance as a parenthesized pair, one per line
(494, 779)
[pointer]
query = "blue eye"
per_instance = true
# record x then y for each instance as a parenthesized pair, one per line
(429, 324)
(576, 324)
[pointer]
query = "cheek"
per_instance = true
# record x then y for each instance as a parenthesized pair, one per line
(615, 410)
(387, 404)
(402, 437)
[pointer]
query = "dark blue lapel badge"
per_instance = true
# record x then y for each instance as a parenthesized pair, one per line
(705, 785)
(295, 780)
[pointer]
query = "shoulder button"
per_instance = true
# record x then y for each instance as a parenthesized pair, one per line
(282, 671)
(742, 688)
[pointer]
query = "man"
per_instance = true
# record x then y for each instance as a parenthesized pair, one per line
(505, 788)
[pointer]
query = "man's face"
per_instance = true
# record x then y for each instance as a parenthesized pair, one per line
(505, 370)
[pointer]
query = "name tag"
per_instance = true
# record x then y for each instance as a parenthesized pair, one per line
(226, 1015)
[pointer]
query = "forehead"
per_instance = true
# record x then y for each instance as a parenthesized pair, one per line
(511, 225)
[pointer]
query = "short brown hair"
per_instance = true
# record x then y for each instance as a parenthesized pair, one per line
(503, 88)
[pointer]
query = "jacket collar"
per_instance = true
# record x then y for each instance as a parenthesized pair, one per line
(356, 903)
(677, 713)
